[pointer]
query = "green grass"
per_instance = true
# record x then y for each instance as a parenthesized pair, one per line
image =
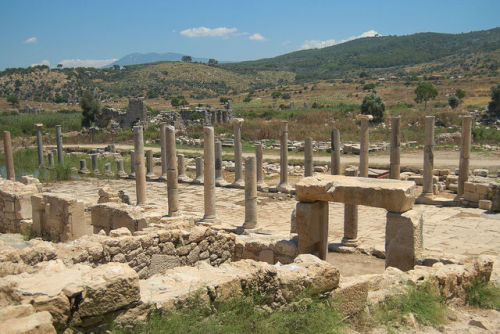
(246, 314)
(24, 124)
(423, 301)
(484, 295)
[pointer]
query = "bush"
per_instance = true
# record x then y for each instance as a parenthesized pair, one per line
(453, 101)
(276, 94)
(375, 106)
(369, 86)
(483, 295)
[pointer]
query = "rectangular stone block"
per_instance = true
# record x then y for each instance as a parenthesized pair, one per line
(312, 228)
(482, 188)
(392, 195)
(469, 187)
(403, 239)
(485, 204)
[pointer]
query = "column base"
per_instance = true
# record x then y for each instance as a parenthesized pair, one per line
(131, 176)
(263, 187)
(183, 179)
(207, 220)
(220, 182)
(121, 175)
(240, 184)
(84, 171)
(285, 188)
(198, 181)
(151, 177)
(425, 198)
(163, 178)
(347, 242)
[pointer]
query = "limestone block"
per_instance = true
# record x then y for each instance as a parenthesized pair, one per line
(480, 172)
(352, 297)
(312, 228)
(482, 188)
(495, 197)
(485, 204)
(35, 323)
(110, 216)
(392, 195)
(469, 187)
(403, 239)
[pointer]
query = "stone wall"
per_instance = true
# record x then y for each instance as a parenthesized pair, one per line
(15, 206)
(59, 218)
(110, 216)
(474, 192)
(266, 248)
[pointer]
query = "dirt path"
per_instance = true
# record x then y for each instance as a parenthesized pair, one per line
(442, 159)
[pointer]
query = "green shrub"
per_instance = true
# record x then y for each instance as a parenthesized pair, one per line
(483, 295)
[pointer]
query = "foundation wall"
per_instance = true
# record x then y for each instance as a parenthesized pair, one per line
(15, 206)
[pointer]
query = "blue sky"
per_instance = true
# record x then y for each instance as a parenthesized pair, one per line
(77, 32)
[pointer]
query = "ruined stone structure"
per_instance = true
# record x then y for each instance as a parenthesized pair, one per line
(136, 114)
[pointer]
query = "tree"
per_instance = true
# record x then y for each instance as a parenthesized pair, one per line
(285, 96)
(453, 101)
(223, 99)
(187, 59)
(59, 66)
(494, 105)
(116, 67)
(375, 106)
(91, 109)
(460, 93)
(425, 92)
(369, 86)
(13, 100)
(276, 94)
(212, 62)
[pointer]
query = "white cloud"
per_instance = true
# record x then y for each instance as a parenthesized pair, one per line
(208, 32)
(86, 62)
(30, 40)
(257, 37)
(316, 44)
(43, 62)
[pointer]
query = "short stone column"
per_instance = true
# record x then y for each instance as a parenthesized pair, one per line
(238, 167)
(428, 157)
(60, 151)
(172, 182)
(50, 159)
(39, 143)
(261, 185)
(83, 167)
(107, 169)
(283, 185)
(463, 167)
(308, 157)
(350, 238)
(9, 157)
(395, 163)
(199, 171)
(163, 145)
(120, 171)
(95, 166)
(335, 152)
(364, 145)
(149, 165)
(250, 193)
(219, 178)
(140, 173)
(312, 228)
(403, 239)
(132, 164)
(181, 167)
(209, 174)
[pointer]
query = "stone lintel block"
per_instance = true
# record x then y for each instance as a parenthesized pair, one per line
(403, 239)
(312, 228)
(392, 195)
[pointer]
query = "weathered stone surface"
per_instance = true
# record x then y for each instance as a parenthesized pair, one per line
(403, 239)
(312, 228)
(15, 204)
(111, 216)
(393, 195)
(34, 323)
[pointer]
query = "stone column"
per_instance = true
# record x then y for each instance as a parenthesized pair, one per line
(60, 152)
(50, 158)
(308, 157)
(172, 185)
(54, 154)
(219, 179)
(283, 185)
(312, 228)
(395, 147)
(261, 185)
(120, 171)
(163, 144)
(9, 157)
(335, 152)
(39, 143)
(350, 238)
(238, 168)
(95, 167)
(250, 193)
(107, 169)
(83, 167)
(364, 145)
(428, 156)
(199, 171)
(132, 164)
(209, 174)
(149, 164)
(140, 173)
(463, 167)
(181, 167)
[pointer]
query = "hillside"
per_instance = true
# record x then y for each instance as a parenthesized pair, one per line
(378, 54)
(164, 79)
(152, 57)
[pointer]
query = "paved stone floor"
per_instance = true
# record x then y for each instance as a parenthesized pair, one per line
(448, 231)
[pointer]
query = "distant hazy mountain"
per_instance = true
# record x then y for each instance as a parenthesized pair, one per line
(143, 58)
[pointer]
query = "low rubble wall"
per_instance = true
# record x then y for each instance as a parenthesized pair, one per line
(15, 206)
